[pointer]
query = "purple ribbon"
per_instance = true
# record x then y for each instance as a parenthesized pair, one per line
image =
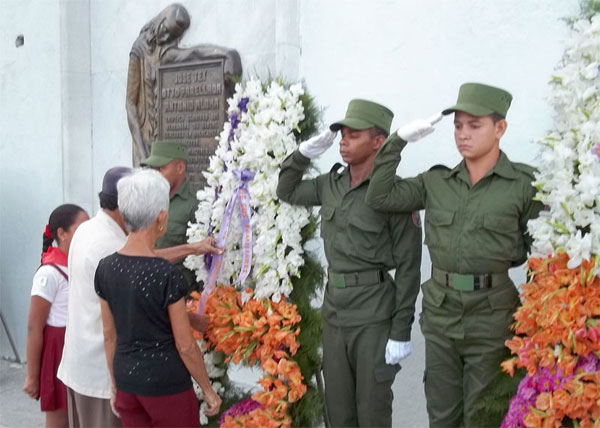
(234, 119)
(242, 195)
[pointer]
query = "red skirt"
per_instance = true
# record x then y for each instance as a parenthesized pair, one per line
(53, 393)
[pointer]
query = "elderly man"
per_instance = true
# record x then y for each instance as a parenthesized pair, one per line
(83, 366)
(367, 314)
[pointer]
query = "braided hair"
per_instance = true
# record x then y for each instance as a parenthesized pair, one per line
(62, 217)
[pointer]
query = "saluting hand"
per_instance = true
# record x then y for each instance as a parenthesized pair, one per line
(419, 128)
(317, 145)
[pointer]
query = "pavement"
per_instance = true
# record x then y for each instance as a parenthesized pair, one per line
(16, 408)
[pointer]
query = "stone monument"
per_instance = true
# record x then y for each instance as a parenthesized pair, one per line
(178, 93)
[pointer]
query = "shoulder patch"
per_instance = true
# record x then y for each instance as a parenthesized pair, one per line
(439, 166)
(416, 218)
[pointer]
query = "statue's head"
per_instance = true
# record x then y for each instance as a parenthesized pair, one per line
(174, 20)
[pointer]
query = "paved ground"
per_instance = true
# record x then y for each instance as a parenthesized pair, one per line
(16, 408)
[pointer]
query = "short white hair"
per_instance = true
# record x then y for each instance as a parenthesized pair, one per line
(142, 196)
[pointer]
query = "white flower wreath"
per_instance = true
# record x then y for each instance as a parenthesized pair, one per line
(568, 181)
(258, 137)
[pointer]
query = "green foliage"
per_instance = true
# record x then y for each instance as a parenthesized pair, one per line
(309, 125)
(590, 7)
(490, 410)
(309, 410)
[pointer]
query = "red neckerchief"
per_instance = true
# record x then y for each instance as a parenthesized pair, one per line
(54, 255)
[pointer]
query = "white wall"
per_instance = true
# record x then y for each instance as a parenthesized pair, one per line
(31, 167)
(412, 56)
(62, 95)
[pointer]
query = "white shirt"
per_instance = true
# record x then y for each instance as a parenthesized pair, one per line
(83, 366)
(50, 285)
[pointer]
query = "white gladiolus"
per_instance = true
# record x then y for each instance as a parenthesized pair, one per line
(568, 181)
(262, 139)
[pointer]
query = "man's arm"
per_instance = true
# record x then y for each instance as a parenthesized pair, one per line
(407, 245)
(386, 191)
(172, 254)
(291, 188)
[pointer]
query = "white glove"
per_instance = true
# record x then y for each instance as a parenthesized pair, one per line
(396, 351)
(419, 128)
(317, 145)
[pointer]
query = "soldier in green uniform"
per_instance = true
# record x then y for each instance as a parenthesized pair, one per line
(367, 314)
(169, 158)
(476, 229)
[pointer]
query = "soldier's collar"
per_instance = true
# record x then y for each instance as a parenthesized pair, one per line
(503, 168)
(182, 191)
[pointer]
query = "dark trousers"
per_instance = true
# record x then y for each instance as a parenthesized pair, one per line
(358, 382)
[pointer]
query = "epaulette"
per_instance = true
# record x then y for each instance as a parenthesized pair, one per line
(527, 169)
(338, 168)
(439, 166)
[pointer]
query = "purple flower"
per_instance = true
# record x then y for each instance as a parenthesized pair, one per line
(242, 408)
(596, 150)
(587, 364)
(243, 104)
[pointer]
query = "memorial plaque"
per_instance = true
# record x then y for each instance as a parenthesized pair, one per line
(192, 109)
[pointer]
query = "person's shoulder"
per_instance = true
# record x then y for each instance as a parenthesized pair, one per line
(47, 271)
(524, 169)
(439, 167)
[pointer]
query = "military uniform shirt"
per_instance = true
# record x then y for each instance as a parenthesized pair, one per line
(469, 229)
(357, 238)
(182, 209)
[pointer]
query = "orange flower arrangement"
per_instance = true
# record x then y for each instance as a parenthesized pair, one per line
(258, 331)
(557, 330)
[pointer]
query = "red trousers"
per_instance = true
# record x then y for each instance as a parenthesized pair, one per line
(174, 410)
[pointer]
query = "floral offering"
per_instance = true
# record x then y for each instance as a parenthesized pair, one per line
(247, 289)
(558, 325)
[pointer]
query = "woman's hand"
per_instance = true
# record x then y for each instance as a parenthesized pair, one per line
(32, 387)
(113, 402)
(199, 322)
(213, 402)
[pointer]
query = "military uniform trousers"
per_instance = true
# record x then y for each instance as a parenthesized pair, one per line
(464, 334)
(358, 382)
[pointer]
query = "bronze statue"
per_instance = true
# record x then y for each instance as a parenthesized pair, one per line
(157, 45)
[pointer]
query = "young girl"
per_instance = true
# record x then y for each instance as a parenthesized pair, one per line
(48, 315)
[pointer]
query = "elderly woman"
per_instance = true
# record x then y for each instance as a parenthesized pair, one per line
(149, 346)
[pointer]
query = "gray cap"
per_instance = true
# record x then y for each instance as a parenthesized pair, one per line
(112, 176)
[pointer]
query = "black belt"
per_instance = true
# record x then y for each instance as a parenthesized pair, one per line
(468, 282)
(356, 279)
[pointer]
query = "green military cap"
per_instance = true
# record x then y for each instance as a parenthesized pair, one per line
(481, 100)
(363, 114)
(162, 152)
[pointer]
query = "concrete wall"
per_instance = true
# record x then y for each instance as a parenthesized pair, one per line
(62, 94)
(31, 159)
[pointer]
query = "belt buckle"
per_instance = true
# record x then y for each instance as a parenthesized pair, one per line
(337, 280)
(463, 282)
(482, 282)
